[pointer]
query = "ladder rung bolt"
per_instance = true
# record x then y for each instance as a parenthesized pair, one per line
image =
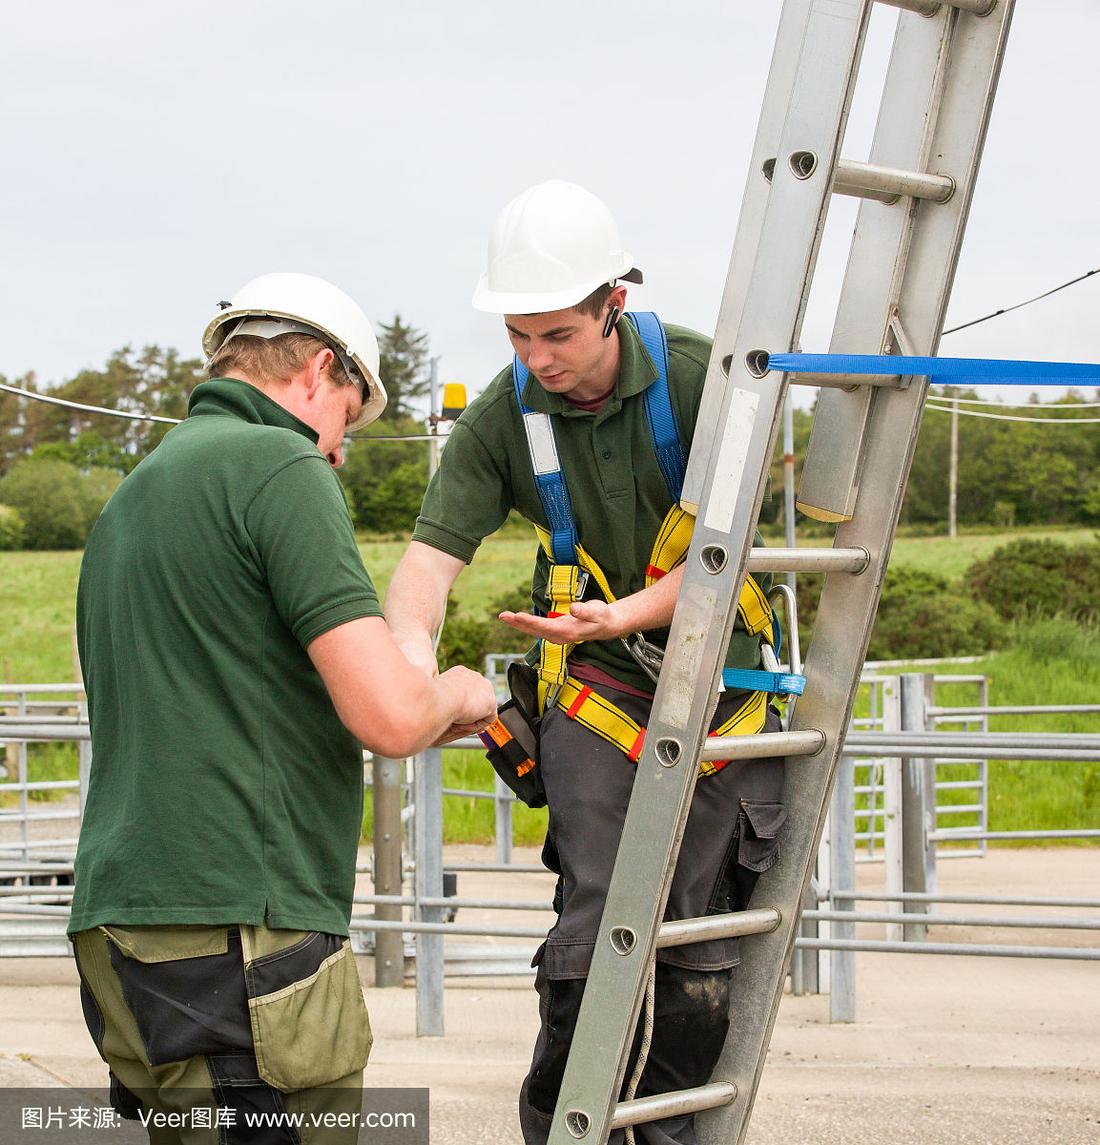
(803, 164)
(578, 1123)
(714, 557)
(756, 361)
(668, 752)
(623, 939)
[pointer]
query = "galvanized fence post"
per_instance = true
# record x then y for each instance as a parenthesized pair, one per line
(502, 819)
(842, 877)
(891, 805)
(918, 802)
(428, 829)
(389, 945)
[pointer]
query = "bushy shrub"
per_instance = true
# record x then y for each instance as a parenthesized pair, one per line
(12, 528)
(58, 503)
(1039, 578)
(468, 640)
(920, 616)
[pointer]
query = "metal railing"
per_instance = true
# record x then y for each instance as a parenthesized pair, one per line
(35, 914)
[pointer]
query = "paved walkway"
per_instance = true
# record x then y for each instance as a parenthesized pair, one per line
(945, 1051)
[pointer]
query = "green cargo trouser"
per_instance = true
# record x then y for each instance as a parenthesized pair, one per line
(250, 1023)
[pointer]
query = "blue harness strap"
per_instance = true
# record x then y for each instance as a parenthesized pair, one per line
(757, 680)
(550, 482)
(658, 404)
(978, 371)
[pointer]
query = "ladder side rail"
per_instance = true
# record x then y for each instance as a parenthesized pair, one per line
(736, 472)
(848, 604)
(773, 113)
(903, 138)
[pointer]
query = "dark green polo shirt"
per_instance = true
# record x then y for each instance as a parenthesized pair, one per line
(618, 493)
(224, 788)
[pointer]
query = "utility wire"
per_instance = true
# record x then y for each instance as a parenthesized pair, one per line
(1013, 417)
(86, 408)
(176, 421)
(1027, 302)
(1014, 405)
(429, 437)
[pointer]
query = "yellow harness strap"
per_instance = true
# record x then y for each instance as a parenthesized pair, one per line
(597, 713)
(669, 550)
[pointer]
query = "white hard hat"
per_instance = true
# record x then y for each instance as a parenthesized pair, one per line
(550, 248)
(275, 304)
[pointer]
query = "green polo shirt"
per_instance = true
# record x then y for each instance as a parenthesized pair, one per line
(224, 788)
(618, 493)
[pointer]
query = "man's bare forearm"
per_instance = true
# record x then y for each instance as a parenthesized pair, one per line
(416, 601)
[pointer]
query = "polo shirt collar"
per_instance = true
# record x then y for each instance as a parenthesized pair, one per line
(229, 397)
(636, 373)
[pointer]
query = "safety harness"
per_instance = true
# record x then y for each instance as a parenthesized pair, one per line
(571, 567)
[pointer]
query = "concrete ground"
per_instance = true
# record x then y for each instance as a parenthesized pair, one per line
(944, 1051)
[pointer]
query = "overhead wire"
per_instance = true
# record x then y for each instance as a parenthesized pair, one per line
(436, 437)
(85, 408)
(1013, 405)
(1019, 305)
(1016, 417)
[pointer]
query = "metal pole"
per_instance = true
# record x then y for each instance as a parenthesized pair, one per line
(983, 767)
(84, 758)
(389, 946)
(918, 806)
(893, 844)
(433, 412)
(953, 480)
(788, 479)
(842, 877)
(502, 809)
(428, 829)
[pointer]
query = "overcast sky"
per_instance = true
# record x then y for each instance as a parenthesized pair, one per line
(157, 156)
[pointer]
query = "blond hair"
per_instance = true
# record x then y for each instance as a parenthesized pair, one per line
(269, 360)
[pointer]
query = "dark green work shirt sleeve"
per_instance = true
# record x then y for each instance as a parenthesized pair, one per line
(299, 524)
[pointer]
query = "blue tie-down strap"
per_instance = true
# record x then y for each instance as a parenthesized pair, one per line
(757, 680)
(976, 371)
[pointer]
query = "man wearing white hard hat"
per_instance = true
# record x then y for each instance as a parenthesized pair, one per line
(236, 661)
(586, 434)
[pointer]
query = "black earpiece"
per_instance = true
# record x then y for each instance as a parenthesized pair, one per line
(612, 321)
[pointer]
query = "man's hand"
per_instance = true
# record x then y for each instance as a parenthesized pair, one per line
(473, 697)
(461, 731)
(586, 620)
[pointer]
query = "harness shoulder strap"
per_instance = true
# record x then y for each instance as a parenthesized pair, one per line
(658, 404)
(549, 479)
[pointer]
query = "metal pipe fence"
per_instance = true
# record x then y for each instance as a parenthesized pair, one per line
(901, 791)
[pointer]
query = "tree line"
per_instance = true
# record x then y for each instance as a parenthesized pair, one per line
(58, 465)
(1009, 472)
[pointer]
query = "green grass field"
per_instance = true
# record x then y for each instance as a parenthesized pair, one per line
(1054, 663)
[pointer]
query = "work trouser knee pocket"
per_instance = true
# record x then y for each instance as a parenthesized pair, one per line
(309, 1021)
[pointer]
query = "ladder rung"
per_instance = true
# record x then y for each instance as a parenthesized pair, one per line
(685, 931)
(871, 181)
(808, 742)
(931, 7)
(847, 381)
(678, 1102)
(808, 560)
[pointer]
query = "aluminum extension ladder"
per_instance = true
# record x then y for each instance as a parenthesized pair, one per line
(917, 189)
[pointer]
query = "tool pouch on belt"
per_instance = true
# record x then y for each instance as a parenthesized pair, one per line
(513, 741)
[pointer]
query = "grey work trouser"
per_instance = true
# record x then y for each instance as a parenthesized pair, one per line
(731, 836)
